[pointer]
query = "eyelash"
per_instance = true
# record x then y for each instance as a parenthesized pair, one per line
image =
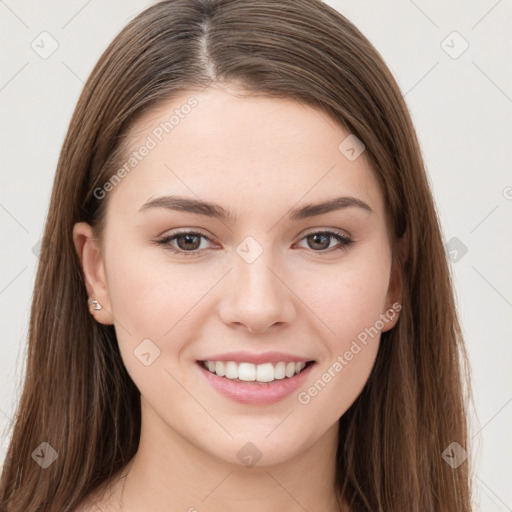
(165, 241)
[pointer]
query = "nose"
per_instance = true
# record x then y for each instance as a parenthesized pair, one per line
(256, 296)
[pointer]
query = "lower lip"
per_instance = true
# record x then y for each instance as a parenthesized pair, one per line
(255, 393)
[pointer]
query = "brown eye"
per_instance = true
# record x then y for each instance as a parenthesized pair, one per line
(320, 241)
(188, 242)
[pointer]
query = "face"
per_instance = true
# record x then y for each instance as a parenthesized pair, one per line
(257, 284)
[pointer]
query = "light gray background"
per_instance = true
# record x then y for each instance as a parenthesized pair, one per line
(462, 109)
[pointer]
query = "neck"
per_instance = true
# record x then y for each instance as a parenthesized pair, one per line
(167, 469)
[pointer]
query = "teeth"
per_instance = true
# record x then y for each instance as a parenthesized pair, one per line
(220, 368)
(265, 372)
(250, 372)
(280, 371)
(290, 370)
(247, 371)
(231, 370)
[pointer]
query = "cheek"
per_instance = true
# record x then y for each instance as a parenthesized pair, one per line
(349, 357)
(153, 298)
(351, 308)
(349, 297)
(147, 294)
(147, 301)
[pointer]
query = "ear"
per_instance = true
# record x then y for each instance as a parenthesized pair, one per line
(93, 269)
(395, 288)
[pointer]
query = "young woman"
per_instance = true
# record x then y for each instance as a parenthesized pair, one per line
(243, 299)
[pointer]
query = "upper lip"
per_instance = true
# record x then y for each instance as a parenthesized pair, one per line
(248, 357)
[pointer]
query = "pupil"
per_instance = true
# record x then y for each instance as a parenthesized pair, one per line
(316, 236)
(188, 240)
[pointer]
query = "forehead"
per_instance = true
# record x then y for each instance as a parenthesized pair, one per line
(246, 152)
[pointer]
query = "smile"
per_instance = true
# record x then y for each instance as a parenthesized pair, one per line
(255, 379)
(250, 372)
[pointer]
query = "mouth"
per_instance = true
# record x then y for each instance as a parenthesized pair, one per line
(257, 373)
(262, 381)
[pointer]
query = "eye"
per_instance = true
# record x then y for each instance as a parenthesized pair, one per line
(321, 240)
(188, 243)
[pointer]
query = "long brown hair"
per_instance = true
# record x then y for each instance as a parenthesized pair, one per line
(77, 395)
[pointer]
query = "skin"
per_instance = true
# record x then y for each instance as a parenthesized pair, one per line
(259, 157)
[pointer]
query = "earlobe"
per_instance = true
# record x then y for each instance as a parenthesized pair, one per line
(93, 272)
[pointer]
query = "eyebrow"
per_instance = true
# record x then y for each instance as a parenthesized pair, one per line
(208, 209)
